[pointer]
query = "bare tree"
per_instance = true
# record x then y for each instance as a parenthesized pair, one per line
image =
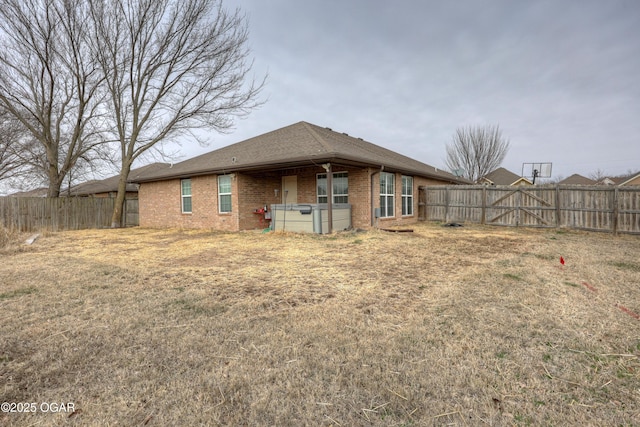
(48, 81)
(476, 151)
(171, 66)
(598, 175)
(10, 132)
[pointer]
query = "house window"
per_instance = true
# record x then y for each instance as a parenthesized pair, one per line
(224, 193)
(340, 184)
(407, 195)
(186, 195)
(387, 181)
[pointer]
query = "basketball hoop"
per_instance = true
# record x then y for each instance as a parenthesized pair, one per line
(536, 170)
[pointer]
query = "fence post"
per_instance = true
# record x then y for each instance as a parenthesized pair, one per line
(446, 204)
(615, 211)
(483, 215)
(123, 217)
(518, 204)
(557, 199)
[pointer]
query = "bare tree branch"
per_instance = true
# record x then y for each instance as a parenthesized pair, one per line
(476, 151)
(49, 83)
(170, 67)
(598, 175)
(10, 134)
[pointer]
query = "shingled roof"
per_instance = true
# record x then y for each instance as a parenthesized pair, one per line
(110, 184)
(577, 179)
(502, 176)
(299, 144)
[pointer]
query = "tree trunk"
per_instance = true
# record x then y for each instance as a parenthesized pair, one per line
(52, 191)
(54, 182)
(116, 218)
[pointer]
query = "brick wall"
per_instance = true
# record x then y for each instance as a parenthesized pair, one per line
(398, 219)
(359, 190)
(160, 205)
(160, 202)
(255, 192)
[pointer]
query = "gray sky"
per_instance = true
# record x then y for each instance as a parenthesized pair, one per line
(561, 78)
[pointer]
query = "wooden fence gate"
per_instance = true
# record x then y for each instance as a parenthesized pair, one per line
(597, 208)
(520, 206)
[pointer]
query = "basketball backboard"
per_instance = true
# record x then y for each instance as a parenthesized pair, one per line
(536, 170)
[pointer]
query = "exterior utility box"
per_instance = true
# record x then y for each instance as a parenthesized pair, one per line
(310, 218)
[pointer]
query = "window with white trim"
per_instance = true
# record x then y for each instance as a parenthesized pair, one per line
(340, 184)
(185, 191)
(224, 193)
(387, 184)
(407, 195)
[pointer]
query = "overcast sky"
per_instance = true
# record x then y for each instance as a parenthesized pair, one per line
(561, 78)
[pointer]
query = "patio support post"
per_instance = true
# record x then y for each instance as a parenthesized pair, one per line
(327, 167)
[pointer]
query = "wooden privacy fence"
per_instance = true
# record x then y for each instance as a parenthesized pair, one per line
(131, 214)
(596, 208)
(63, 213)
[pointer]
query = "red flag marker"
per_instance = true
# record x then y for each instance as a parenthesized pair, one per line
(561, 260)
(629, 312)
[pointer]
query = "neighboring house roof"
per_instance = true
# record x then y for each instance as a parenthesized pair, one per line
(110, 184)
(299, 144)
(606, 181)
(502, 176)
(577, 179)
(38, 192)
(633, 179)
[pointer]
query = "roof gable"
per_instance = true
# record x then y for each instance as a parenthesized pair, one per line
(298, 144)
(631, 180)
(577, 179)
(502, 176)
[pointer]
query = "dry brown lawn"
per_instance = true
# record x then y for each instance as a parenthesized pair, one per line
(468, 326)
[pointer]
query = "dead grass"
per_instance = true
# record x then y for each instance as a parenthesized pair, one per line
(467, 326)
(7, 237)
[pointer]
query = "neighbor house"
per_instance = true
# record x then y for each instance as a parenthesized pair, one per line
(621, 181)
(229, 188)
(633, 179)
(38, 192)
(108, 187)
(577, 179)
(502, 176)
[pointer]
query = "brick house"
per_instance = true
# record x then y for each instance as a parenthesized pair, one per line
(226, 189)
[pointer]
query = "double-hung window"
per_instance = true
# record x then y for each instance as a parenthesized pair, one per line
(224, 193)
(340, 184)
(407, 195)
(185, 189)
(387, 185)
